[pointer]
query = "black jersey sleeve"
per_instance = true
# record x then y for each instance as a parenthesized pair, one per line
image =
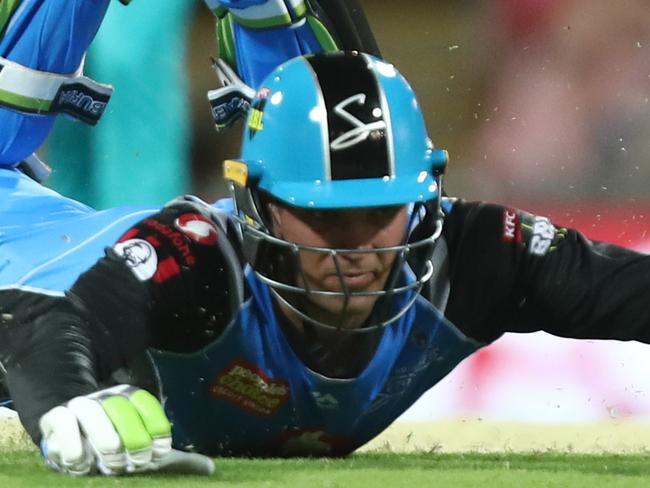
(511, 271)
(46, 353)
(171, 282)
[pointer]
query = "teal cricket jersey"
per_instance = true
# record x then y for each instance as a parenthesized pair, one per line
(248, 393)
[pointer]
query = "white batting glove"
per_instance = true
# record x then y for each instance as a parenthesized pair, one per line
(119, 430)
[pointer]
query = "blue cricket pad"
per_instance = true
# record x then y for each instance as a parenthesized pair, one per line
(260, 51)
(46, 35)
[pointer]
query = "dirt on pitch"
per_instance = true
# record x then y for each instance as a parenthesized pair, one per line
(12, 434)
(471, 435)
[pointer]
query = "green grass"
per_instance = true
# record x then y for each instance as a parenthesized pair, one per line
(23, 468)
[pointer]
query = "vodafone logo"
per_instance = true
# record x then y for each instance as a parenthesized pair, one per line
(198, 228)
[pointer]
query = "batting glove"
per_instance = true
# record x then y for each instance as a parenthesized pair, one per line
(233, 100)
(119, 430)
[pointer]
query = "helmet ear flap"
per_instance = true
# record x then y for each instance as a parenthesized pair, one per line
(252, 207)
(264, 203)
(241, 185)
(429, 214)
(277, 261)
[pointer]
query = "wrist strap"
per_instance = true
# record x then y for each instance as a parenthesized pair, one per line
(39, 92)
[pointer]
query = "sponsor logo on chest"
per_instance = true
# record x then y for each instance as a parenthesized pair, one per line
(250, 389)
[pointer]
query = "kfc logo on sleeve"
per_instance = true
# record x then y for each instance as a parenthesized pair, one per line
(511, 226)
(140, 256)
(198, 228)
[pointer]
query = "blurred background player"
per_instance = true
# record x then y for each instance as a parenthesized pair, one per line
(52, 36)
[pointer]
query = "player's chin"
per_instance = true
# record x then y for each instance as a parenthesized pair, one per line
(350, 315)
(355, 282)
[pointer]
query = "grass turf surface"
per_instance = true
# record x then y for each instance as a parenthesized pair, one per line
(24, 468)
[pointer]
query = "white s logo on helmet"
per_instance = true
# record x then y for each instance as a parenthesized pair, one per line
(361, 129)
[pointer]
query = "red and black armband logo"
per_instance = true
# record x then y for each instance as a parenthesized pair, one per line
(160, 246)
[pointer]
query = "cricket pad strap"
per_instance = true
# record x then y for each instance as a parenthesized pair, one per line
(261, 15)
(39, 92)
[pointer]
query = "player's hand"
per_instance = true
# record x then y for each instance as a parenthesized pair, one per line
(233, 100)
(119, 430)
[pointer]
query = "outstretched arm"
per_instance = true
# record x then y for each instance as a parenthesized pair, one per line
(512, 271)
(172, 282)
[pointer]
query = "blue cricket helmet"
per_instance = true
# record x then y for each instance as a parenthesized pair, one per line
(339, 130)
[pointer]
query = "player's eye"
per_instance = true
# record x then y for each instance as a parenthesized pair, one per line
(385, 213)
(318, 215)
(313, 216)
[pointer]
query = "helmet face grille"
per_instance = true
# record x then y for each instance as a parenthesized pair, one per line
(358, 120)
(278, 263)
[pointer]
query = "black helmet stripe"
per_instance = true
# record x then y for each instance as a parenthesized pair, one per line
(357, 117)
